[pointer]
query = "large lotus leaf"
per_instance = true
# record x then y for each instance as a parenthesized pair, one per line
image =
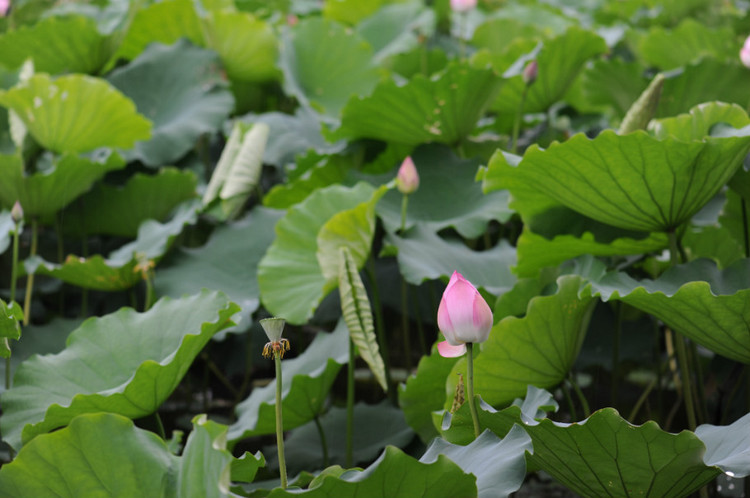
(290, 279)
(303, 447)
(121, 210)
(498, 464)
(697, 123)
(45, 193)
(352, 229)
(713, 242)
(697, 83)
(393, 474)
(538, 349)
(306, 381)
(396, 29)
(559, 61)
(324, 64)
(632, 181)
(98, 454)
(181, 89)
(162, 22)
(205, 463)
(353, 11)
(545, 17)
(76, 113)
(292, 135)
(605, 455)
(125, 362)
(327, 170)
(423, 255)
(496, 33)
(444, 176)
(727, 447)
(424, 393)
(119, 271)
(689, 41)
(613, 82)
(710, 306)
(443, 108)
(71, 44)
(247, 46)
(227, 262)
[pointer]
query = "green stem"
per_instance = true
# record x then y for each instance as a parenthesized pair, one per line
(14, 268)
(323, 442)
(470, 386)
(404, 204)
(745, 227)
(420, 327)
(280, 423)
(517, 122)
(350, 406)
(405, 323)
(85, 291)
(642, 399)
(380, 328)
(616, 356)
(60, 258)
(569, 399)
(149, 292)
(581, 397)
(30, 278)
(159, 425)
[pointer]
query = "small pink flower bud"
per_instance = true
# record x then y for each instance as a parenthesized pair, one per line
(16, 213)
(463, 316)
(530, 72)
(407, 180)
(745, 53)
(4, 7)
(463, 5)
(292, 20)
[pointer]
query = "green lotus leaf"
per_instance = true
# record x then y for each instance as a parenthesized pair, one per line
(538, 349)
(76, 113)
(696, 299)
(98, 454)
(688, 42)
(545, 17)
(496, 33)
(697, 83)
(444, 108)
(498, 464)
(120, 210)
(45, 193)
(303, 447)
(444, 176)
(697, 123)
(605, 455)
(354, 11)
(125, 362)
(396, 28)
(205, 463)
(614, 83)
(181, 89)
(289, 276)
(70, 44)
(727, 446)
(247, 46)
(631, 181)
(119, 271)
(423, 255)
(11, 315)
(227, 262)
(458, 427)
(424, 392)
(559, 61)
(326, 171)
(393, 474)
(713, 242)
(306, 382)
(162, 22)
(324, 64)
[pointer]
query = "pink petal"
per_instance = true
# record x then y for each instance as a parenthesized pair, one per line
(447, 350)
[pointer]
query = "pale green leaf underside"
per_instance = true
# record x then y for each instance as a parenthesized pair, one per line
(357, 313)
(710, 306)
(697, 123)
(289, 276)
(76, 113)
(126, 363)
(633, 181)
(444, 108)
(606, 456)
(204, 468)
(727, 447)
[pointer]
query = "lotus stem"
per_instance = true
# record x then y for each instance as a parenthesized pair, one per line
(581, 397)
(380, 329)
(279, 422)
(30, 278)
(517, 122)
(404, 204)
(323, 442)
(350, 406)
(13, 278)
(470, 386)
(405, 323)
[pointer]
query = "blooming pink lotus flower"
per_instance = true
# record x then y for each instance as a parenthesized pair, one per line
(463, 316)
(407, 180)
(4, 6)
(745, 53)
(463, 5)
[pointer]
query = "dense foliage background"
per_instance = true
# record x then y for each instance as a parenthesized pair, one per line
(187, 167)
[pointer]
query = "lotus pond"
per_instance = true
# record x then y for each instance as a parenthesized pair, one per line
(365, 248)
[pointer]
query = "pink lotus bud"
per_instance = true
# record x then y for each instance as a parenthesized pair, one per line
(530, 72)
(292, 20)
(745, 53)
(4, 7)
(16, 212)
(407, 180)
(463, 5)
(463, 316)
